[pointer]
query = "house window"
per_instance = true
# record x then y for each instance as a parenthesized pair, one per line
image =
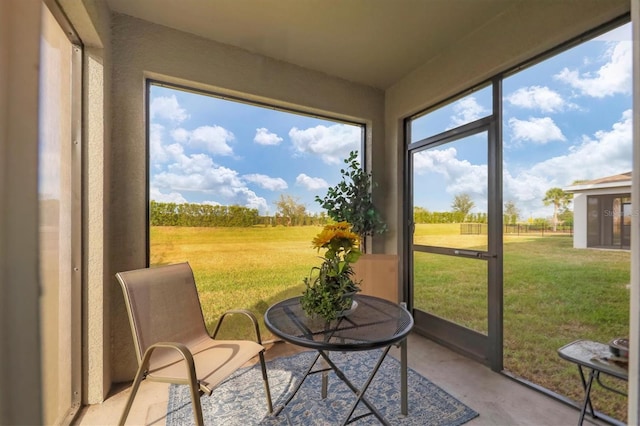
(609, 221)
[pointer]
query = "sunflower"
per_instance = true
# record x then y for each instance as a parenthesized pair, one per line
(336, 236)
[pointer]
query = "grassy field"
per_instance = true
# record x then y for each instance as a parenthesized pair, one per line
(553, 294)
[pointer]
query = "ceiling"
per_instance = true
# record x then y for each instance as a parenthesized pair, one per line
(372, 42)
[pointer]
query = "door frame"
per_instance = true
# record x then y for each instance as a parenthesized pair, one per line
(486, 349)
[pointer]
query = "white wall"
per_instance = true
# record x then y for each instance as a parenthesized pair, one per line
(20, 399)
(579, 221)
(141, 49)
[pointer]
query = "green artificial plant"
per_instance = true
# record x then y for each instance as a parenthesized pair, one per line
(351, 200)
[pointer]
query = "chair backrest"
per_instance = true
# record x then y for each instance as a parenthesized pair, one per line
(163, 306)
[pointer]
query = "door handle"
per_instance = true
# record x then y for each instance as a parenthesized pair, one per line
(487, 256)
(473, 253)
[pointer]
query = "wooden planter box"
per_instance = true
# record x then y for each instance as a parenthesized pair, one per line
(379, 275)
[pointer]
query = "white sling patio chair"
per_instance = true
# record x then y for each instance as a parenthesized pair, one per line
(170, 337)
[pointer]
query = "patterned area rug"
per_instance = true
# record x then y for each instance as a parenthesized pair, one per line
(241, 400)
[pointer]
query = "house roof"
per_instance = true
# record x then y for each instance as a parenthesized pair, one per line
(615, 181)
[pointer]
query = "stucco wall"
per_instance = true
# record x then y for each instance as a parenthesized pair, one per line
(140, 50)
(92, 21)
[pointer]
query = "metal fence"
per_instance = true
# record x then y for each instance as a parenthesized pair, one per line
(515, 229)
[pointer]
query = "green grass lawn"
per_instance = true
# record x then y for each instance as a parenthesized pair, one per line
(553, 294)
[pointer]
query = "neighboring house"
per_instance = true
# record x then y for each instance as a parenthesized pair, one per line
(602, 212)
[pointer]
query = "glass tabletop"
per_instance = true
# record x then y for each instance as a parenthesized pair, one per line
(375, 323)
(593, 355)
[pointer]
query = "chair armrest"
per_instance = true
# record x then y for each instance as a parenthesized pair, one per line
(182, 349)
(245, 312)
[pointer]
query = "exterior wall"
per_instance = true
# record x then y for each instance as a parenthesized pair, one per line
(580, 220)
(140, 50)
(20, 382)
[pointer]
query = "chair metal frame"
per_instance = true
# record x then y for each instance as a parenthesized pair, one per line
(185, 353)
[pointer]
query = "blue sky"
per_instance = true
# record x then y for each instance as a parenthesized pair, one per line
(566, 118)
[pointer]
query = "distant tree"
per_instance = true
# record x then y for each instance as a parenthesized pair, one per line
(559, 199)
(462, 204)
(289, 209)
(566, 217)
(511, 213)
(420, 215)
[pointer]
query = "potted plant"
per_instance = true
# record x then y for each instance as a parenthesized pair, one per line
(329, 287)
(351, 201)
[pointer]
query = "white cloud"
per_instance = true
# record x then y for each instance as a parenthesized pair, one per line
(247, 198)
(605, 153)
(213, 139)
(537, 130)
(180, 135)
(332, 143)
(537, 97)
(266, 182)
(265, 137)
(173, 197)
(198, 173)
(467, 110)
(167, 108)
(311, 183)
(156, 148)
(613, 77)
(460, 175)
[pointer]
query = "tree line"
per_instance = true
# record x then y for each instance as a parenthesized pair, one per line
(208, 215)
(422, 215)
(192, 214)
(289, 212)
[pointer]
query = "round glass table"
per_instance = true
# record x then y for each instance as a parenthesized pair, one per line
(375, 324)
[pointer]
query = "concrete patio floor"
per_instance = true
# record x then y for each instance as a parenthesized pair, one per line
(498, 399)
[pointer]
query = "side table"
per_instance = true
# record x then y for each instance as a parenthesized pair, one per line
(375, 324)
(597, 359)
